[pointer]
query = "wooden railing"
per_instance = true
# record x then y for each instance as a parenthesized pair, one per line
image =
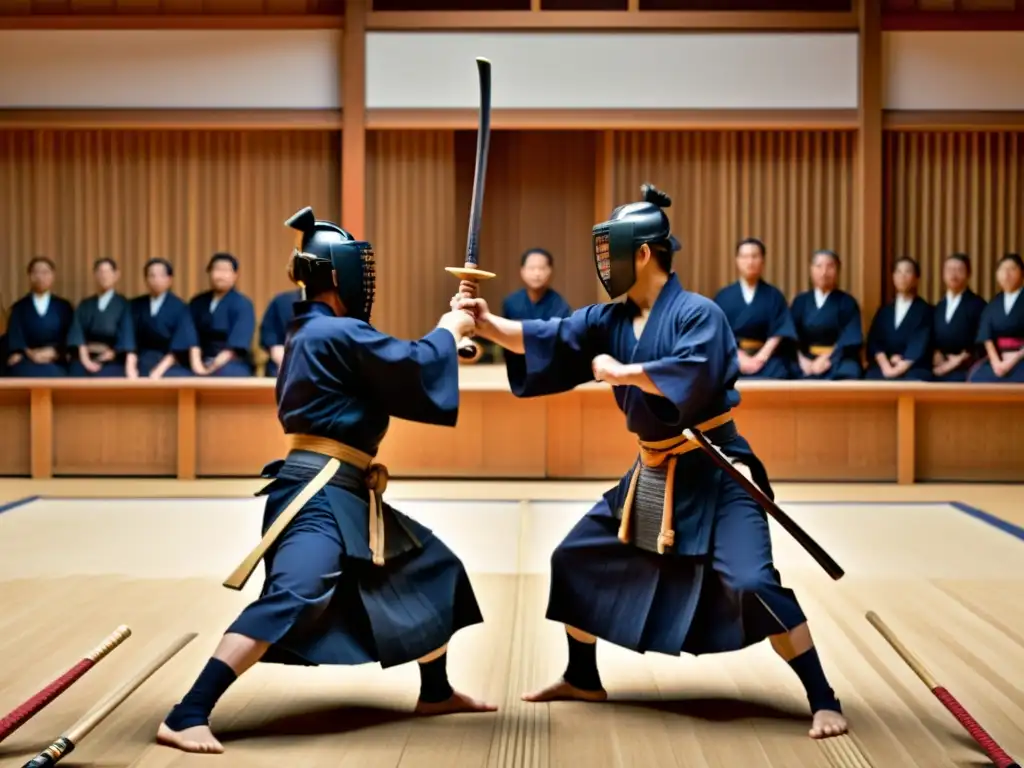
(189, 428)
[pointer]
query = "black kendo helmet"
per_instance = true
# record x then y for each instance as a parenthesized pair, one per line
(327, 258)
(630, 226)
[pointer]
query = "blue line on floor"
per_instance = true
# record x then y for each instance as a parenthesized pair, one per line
(19, 503)
(985, 517)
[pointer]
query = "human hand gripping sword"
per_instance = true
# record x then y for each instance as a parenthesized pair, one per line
(469, 350)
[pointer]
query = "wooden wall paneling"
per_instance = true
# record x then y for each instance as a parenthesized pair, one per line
(587, 436)
(867, 266)
(127, 432)
(604, 192)
(41, 413)
(953, 191)
(541, 188)
(237, 432)
(187, 434)
(970, 442)
(410, 199)
(497, 436)
(163, 8)
(906, 434)
(610, 119)
(80, 195)
(793, 189)
(353, 80)
(171, 119)
(825, 438)
(611, 20)
(16, 428)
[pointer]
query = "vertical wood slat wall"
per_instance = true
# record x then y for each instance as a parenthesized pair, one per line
(77, 196)
(792, 189)
(948, 192)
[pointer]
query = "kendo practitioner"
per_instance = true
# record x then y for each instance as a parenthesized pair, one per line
(1001, 329)
(677, 558)
(350, 580)
(274, 328)
(37, 332)
(225, 322)
(164, 332)
(900, 337)
(759, 316)
(102, 333)
(828, 325)
(955, 322)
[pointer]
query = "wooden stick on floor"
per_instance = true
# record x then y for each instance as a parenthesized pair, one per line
(995, 753)
(29, 709)
(67, 743)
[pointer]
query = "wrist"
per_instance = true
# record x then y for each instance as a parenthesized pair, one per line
(485, 327)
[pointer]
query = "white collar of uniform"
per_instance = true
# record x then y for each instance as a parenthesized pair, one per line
(1009, 299)
(748, 290)
(820, 296)
(41, 302)
(215, 302)
(952, 302)
(105, 298)
(902, 307)
(155, 302)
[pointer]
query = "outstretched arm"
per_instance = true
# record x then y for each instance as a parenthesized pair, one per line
(502, 331)
(412, 380)
(553, 355)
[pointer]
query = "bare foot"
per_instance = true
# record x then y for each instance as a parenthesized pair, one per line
(827, 724)
(196, 739)
(457, 702)
(563, 691)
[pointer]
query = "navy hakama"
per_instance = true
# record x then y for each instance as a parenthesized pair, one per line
(230, 325)
(912, 340)
(1006, 331)
(274, 326)
(833, 329)
(27, 329)
(168, 332)
(111, 326)
(765, 317)
(958, 334)
(324, 601)
(716, 589)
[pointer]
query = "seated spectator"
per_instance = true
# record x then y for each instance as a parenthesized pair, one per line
(164, 332)
(900, 337)
(537, 300)
(758, 316)
(38, 330)
(955, 323)
(274, 328)
(101, 332)
(1001, 330)
(827, 322)
(225, 323)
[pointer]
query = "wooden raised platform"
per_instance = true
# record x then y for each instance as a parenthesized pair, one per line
(189, 428)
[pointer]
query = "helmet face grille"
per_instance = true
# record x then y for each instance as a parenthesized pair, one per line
(603, 256)
(369, 277)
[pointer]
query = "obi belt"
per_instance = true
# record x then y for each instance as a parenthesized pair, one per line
(647, 513)
(320, 461)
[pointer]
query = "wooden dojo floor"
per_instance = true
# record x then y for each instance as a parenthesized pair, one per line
(86, 556)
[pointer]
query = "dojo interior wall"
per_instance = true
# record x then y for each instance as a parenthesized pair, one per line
(953, 191)
(76, 196)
